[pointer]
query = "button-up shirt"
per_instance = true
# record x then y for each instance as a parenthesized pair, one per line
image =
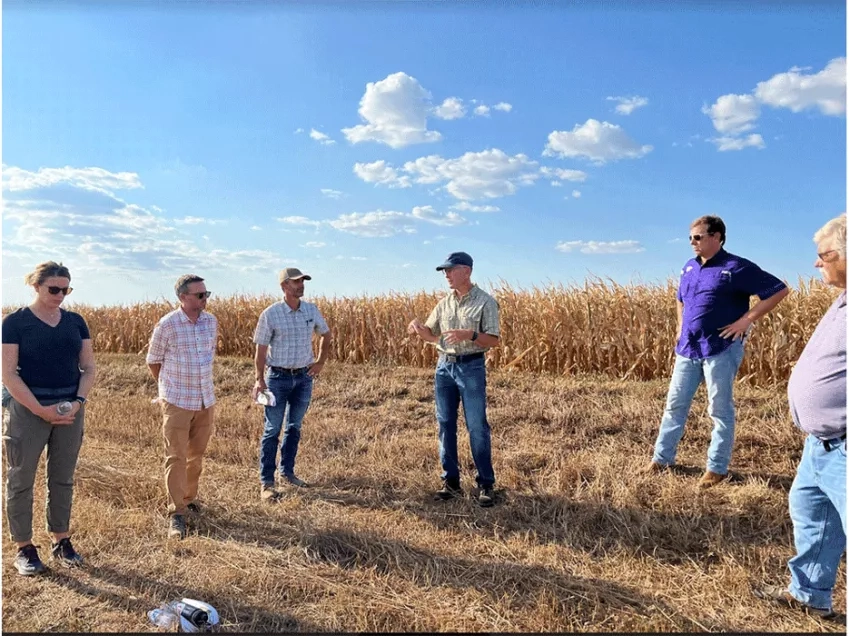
(817, 388)
(289, 333)
(185, 349)
(476, 310)
(716, 294)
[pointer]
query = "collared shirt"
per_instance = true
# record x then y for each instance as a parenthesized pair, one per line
(476, 310)
(716, 294)
(185, 349)
(289, 333)
(817, 388)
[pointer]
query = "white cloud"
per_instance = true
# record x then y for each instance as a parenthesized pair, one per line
(395, 110)
(488, 174)
(503, 106)
(825, 90)
(576, 194)
(314, 244)
(451, 108)
(482, 111)
(380, 172)
(600, 247)
(298, 131)
(332, 194)
(733, 114)
(555, 184)
(197, 220)
(427, 213)
(256, 228)
(598, 141)
(465, 206)
(627, 105)
(321, 137)
(95, 179)
(563, 174)
(377, 224)
(738, 143)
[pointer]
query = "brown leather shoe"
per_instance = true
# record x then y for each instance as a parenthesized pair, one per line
(710, 479)
(269, 493)
(653, 467)
(781, 596)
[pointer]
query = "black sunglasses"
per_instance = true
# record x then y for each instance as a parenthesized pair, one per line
(55, 290)
(201, 295)
(699, 237)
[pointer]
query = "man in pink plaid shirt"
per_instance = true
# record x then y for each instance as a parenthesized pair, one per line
(180, 358)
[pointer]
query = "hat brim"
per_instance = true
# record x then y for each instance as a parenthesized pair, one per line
(303, 276)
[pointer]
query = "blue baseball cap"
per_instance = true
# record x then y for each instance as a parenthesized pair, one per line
(456, 258)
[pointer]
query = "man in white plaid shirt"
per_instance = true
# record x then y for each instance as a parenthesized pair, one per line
(285, 366)
(180, 358)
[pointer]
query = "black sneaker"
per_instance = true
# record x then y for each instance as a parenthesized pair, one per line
(176, 527)
(64, 553)
(27, 562)
(450, 490)
(486, 496)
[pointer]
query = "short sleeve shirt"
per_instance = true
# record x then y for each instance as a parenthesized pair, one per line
(477, 310)
(716, 294)
(185, 349)
(48, 357)
(289, 333)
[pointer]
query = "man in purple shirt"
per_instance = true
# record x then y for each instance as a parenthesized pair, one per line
(714, 317)
(817, 396)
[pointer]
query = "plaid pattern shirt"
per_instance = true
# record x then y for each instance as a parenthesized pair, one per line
(185, 350)
(477, 310)
(289, 334)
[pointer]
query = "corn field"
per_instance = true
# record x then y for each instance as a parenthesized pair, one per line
(625, 332)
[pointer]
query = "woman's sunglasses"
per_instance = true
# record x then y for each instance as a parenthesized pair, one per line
(55, 290)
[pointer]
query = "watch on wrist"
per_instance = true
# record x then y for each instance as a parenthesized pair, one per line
(474, 336)
(80, 399)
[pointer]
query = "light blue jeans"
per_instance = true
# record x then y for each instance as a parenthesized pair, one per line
(719, 374)
(818, 506)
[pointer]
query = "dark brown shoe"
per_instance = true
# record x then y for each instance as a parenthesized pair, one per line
(781, 596)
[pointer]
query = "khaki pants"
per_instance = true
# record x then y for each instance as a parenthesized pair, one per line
(186, 434)
(25, 436)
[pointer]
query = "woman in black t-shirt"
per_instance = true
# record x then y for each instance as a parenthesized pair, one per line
(48, 362)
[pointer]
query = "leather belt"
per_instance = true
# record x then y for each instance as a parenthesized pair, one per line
(466, 358)
(289, 371)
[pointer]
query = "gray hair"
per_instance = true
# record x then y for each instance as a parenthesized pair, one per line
(45, 270)
(835, 231)
(182, 285)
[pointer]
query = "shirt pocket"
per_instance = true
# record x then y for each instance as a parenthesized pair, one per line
(470, 318)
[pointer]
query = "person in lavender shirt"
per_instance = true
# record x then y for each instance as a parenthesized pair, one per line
(714, 318)
(817, 396)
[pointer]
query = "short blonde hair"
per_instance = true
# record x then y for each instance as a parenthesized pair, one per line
(45, 270)
(835, 231)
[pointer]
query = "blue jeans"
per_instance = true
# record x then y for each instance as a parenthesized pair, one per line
(719, 374)
(818, 506)
(292, 396)
(466, 382)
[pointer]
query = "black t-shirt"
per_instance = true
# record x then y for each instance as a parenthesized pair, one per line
(48, 357)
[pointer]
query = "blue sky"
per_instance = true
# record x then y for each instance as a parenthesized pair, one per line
(364, 141)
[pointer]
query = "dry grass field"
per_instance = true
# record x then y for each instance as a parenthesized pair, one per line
(578, 541)
(624, 332)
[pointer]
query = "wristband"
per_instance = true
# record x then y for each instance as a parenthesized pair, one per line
(80, 399)
(474, 336)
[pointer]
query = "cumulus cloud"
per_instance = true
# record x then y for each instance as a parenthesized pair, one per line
(824, 90)
(576, 194)
(427, 213)
(733, 114)
(563, 174)
(627, 105)
(598, 141)
(395, 112)
(503, 106)
(314, 244)
(465, 206)
(600, 247)
(332, 194)
(482, 111)
(381, 173)
(299, 221)
(73, 214)
(738, 143)
(321, 137)
(377, 224)
(451, 108)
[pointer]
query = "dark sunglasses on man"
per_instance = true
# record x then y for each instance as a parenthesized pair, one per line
(201, 295)
(55, 290)
(699, 237)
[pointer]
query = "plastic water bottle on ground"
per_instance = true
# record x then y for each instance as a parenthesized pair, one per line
(166, 617)
(63, 408)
